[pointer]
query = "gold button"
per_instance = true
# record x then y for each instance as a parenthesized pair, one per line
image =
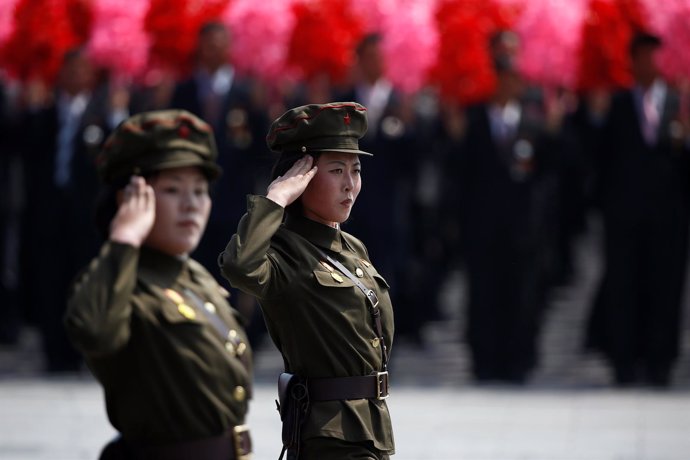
(210, 307)
(230, 347)
(174, 296)
(239, 393)
(186, 311)
(337, 277)
(375, 342)
(359, 272)
(241, 348)
(232, 334)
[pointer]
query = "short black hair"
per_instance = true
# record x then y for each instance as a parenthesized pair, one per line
(643, 39)
(372, 38)
(212, 26)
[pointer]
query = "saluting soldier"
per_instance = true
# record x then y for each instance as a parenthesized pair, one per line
(326, 307)
(154, 326)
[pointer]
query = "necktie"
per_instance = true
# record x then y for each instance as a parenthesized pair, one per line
(650, 118)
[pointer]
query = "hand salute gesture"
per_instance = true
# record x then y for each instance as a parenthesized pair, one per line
(285, 189)
(136, 213)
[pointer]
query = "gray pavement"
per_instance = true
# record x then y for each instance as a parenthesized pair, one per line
(64, 420)
(568, 411)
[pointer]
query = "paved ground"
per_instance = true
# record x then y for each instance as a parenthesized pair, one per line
(64, 420)
(568, 411)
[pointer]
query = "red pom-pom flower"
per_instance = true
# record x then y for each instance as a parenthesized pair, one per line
(604, 60)
(550, 38)
(7, 8)
(464, 69)
(324, 38)
(173, 27)
(260, 34)
(409, 42)
(118, 41)
(44, 30)
(671, 21)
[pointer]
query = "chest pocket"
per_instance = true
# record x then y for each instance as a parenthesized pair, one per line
(178, 311)
(332, 279)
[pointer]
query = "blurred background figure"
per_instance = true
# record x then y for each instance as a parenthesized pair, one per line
(231, 105)
(505, 184)
(643, 174)
(60, 185)
(11, 204)
(382, 216)
(498, 159)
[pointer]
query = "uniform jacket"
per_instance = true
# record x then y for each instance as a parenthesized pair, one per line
(167, 374)
(320, 322)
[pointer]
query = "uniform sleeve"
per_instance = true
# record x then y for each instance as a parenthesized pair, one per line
(99, 309)
(245, 262)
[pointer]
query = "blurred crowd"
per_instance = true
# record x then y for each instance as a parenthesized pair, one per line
(500, 190)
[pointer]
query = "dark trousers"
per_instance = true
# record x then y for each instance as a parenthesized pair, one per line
(220, 448)
(324, 448)
(640, 302)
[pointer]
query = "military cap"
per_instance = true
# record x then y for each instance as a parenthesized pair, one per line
(162, 139)
(332, 127)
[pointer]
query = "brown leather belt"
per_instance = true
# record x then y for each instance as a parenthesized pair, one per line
(373, 386)
(234, 445)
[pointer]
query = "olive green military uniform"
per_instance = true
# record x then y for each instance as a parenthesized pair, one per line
(156, 329)
(167, 374)
(317, 317)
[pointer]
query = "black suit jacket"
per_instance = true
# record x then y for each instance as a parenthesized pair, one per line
(240, 130)
(638, 179)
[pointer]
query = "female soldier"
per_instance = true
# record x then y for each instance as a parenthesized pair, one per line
(155, 328)
(326, 307)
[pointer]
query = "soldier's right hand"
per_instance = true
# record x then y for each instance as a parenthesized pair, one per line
(136, 213)
(287, 188)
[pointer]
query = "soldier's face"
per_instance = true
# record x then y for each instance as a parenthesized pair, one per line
(182, 209)
(332, 192)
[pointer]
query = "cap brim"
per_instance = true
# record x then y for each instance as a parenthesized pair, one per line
(358, 152)
(211, 170)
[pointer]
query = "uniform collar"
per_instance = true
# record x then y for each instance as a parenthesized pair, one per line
(161, 268)
(320, 234)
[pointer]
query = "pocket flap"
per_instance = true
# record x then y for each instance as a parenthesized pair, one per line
(381, 280)
(332, 279)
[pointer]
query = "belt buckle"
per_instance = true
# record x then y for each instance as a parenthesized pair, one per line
(373, 298)
(243, 442)
(382, 385)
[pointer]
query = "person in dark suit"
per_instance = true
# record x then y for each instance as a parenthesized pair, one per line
(219, 96)
(10, 218)
(392, 134)
(61, 134)
(230, 104)
(644, 178)
(505, 183)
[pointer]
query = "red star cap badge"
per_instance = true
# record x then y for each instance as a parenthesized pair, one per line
(347, 118)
